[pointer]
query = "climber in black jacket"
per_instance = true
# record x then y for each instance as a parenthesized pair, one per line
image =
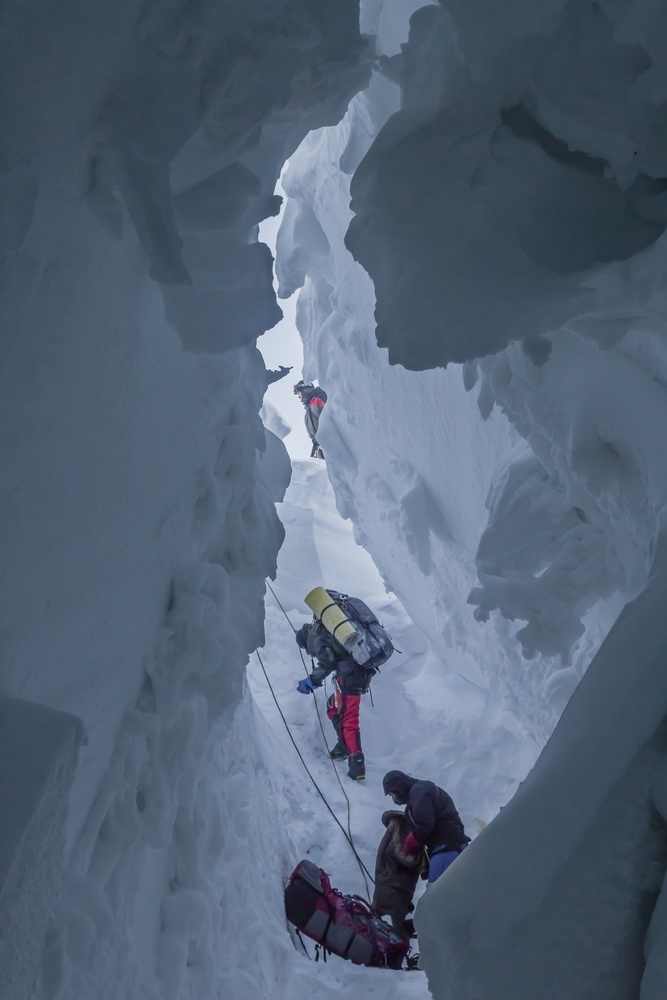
(434, 822)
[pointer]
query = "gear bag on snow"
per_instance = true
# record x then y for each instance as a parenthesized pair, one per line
(351, 621)
(344, 925)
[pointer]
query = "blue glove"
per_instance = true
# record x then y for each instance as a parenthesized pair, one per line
(305, 686)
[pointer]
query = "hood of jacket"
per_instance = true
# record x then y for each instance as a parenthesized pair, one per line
(398, 783)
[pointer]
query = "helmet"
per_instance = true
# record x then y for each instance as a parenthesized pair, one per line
(303, 387)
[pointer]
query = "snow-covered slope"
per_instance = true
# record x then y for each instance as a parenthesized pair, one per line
(441, 726)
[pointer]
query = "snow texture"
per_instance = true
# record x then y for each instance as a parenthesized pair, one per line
(510, 217)
(416, 460)
(143, 144)
(561, 899)
(533, 140)
(500, 176)
(418, 718)
(38, 756)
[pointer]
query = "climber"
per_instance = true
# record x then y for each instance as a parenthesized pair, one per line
(345, 638)
(313, 399)
(396, 873)
(351, 680)
(434, 822)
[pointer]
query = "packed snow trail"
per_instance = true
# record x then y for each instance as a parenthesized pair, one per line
(421, 719)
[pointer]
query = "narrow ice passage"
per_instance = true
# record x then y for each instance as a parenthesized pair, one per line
(405, 727)
(476, 206)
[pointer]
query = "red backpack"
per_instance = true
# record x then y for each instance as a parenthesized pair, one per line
(344, 925)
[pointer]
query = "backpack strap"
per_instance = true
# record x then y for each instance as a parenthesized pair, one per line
(323, 942)
(348, 946)
(303, 944)
(336, 627)
(334, 604)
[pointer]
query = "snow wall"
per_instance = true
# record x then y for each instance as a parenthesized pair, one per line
(525, 167)
(143, 141)
(510, 214)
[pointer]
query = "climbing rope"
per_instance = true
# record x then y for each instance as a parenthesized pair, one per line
(303, 944)
(317, 708)
(335, 771)
(268, 583)
(346, 833)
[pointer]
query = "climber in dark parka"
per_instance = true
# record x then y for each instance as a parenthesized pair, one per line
(396, 873)
(434, 822)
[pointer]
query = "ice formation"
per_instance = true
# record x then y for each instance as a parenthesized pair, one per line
(480, 191)
(510, 216)
(143, 144)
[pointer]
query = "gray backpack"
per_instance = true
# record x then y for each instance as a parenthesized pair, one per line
(374, 645)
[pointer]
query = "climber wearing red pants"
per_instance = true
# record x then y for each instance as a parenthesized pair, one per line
(343, 710)
(352, 681)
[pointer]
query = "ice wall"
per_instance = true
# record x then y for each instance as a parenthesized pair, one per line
(533, 218)
(511, 217)
(142, 145)
(415, 458)
(38, 757)
(533, 140)
(558, 897)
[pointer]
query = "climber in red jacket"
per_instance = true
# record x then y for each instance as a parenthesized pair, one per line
(313, 399)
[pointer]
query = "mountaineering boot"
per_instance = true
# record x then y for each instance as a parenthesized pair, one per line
(339, 752)
(356, 768)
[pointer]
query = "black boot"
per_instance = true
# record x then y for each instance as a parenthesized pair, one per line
(356, 767)
(339, 752)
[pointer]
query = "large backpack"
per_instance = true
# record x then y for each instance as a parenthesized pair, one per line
(376, 646)
(344, 925)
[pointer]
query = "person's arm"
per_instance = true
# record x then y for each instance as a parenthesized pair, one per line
(421, 814)
(411, 845)
(326, 663)
(325, 656)
(320, 649)
(409, 852)
(301, 636)
(315, 407)
(309, 422)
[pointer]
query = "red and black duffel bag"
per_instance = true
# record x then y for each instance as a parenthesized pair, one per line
(344, 925)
